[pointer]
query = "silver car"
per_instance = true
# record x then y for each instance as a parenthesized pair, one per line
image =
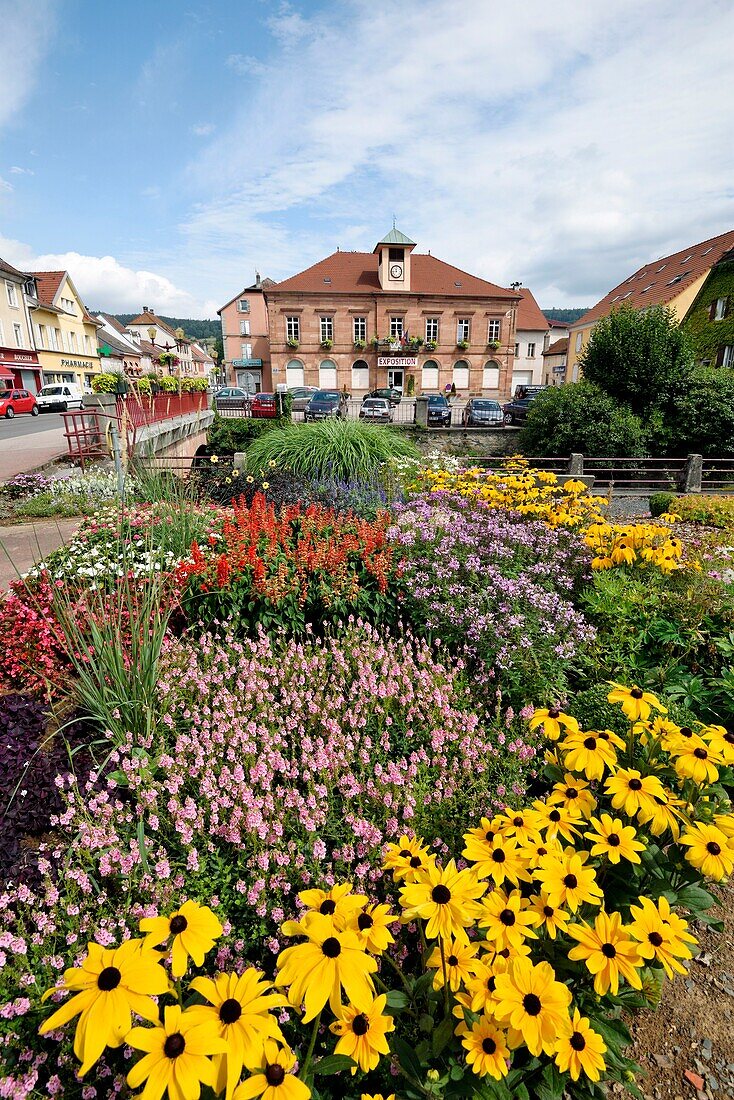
(301, 396)
(376, 409)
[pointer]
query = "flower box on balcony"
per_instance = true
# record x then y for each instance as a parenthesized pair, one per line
(292, 342)
(462, 344)
(327, 344)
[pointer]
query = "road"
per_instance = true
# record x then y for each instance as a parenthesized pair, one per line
(27, 442)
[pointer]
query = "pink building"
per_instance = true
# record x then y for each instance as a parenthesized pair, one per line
(245, 336)
(362, 320)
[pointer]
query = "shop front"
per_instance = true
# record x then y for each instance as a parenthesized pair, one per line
(58, 369)
(20, 368)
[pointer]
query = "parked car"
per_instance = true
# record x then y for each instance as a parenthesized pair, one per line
(231, 397)
(301, 396)
(264, 405)
(439, 410)
(390, 394)
(516, 411)
(376, 408)
(323, 403)
(481, 413)
(527, 391)
(15, 401)
(60, 397)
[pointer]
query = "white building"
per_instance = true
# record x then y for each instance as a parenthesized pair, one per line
(532, 330)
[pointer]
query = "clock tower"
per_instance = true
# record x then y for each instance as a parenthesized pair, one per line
(393, 260)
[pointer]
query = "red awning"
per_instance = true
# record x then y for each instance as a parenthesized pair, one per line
(6, 375)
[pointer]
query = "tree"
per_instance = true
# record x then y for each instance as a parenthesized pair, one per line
(584, 419)
(705, 415)
(639, 357)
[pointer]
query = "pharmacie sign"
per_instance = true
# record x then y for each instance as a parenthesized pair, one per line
(84, 363)
(397, 361)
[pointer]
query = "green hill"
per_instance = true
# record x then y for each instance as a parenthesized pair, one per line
(569, 315)
(193, 327)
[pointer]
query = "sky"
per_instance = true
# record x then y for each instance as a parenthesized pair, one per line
(164, 151)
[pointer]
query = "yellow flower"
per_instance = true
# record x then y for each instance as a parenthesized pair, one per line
(498, 859)
(273, 1080)
(362, 1033)
(481, 986)
(709, 849)
(725, 822)
(339, 904)
(613, 839)
(316, 970)
(697, 761)
(213, 459)
(588, 753)
(574, 794)
(721, 741)
(177, 1056)
(522, 825)
(553, 720)
(662, 813)
(662, 934)
(549, 916)
(446, 899)
(486, 1048)
(532, 1002)
(194, 929)
(507, 920)
(557, 821)
(607, 951)
(240, 1009)
(249, 479)
(632, 792)
(372, 926)
(635, 702)
(533, 852)
(376, 1096)
(460, 960)
(567, 881)
(408, 859)
(266, 484)
(579, 1049)
(110, 985)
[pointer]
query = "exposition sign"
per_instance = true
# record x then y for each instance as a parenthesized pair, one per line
(397, 361)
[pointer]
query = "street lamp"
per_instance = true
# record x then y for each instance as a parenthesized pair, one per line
(215, 357)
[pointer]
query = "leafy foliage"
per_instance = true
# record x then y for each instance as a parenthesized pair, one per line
(346, 449)
(704, 414)
(229, 435)
(582, 418)
(707, 336)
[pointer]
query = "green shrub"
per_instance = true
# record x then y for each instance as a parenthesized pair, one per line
(704, 414)
(168, 384)
(193, 385)
(712, 511)
(344, 449)
(106, 382)
(229, 435)
(584, 419)
(661, 502)
(144, 386)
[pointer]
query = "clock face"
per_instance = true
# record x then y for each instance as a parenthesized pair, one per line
(396, 271)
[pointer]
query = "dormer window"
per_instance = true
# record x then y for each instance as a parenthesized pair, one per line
(397, 254)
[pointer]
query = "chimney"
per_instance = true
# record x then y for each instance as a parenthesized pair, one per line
(258, 280)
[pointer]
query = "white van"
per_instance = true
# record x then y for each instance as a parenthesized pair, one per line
(60, 397)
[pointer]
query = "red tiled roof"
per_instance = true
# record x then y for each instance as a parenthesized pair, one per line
(558, 347)
(117, 325)
(661, 281)
(48, 283)
(148, 318)
(356, 273)
(554, 323)
(529, 314)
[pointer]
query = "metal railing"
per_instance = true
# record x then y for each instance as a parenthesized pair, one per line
(144, 409)
(717, 475)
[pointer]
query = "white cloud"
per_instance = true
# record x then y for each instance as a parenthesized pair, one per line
(245, 64)
(5, 186)
(562, 145)
(104, 283)
(16, 170)
(203, 129)
(26, 32)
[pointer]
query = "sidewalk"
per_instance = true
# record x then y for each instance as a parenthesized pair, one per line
(30, 452)
(22, 545)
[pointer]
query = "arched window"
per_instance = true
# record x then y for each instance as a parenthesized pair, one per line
(294, 373)
(429, 375)
(461, 374)
(491, 375)
(327, 374)
(360, 375)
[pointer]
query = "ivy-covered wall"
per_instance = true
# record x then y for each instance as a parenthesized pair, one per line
(708, 336)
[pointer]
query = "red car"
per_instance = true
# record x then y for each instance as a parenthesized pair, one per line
(264, 405)
(17, 401)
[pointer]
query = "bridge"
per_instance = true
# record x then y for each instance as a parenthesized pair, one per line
(160, 426)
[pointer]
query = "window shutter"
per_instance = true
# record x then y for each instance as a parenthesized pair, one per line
(712, 310)
(720, 356)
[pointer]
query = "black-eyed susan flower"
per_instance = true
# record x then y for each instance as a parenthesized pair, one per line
(532, 1002)
(588, 753)
(709, 849)
(575, 794)
(373, 927)
(608, 951)
(555, 821)
(551, 917)
(579, 1048)
(610, 837)
(721, 741)
(376, 1096)
(193, 929)
(240, 1006)
(486, 831)
(486, 1049)
(567, 881)
(520, 825)
(408, 859)
(663, 813)
(506, 920)
(553, 721)
(481, 986)
(177, 1056)
(636, 703)
(339, 904)
(446, 899)
(109, 986)
(362, 1033)
(631, 791)
(499, 859)
(662, 935)
(725, 822)
(698, 761)
(273, 1079)
(532, 852)
(459, 961)
(315, 972)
